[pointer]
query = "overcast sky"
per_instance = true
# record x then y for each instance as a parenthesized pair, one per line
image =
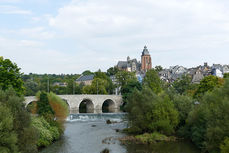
(70, 36)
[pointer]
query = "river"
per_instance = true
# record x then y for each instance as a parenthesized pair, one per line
(89, 133)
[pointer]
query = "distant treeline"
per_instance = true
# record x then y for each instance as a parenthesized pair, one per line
(65, 83)
(46, 82)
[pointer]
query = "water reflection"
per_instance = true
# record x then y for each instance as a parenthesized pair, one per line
(163, 147)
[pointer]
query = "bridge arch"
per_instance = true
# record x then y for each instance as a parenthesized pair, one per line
(86, 106)
(29, 103)
(31, 106)
(66, 101)
(108, 106)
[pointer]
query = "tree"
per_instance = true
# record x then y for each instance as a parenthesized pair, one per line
(208, 84)
(31, 88)
(226, 75)
(37, 82)
(87, 72)
(8, 137)
(184, 105)
(123, 77)
(128, 89)
(149, 112)
(21, 121)
(98, 86)
(112, 71)
(197, 126)
(153, 81)
(71, 87)
(79, 88)
(183, 85)
(44, 108)
(10, 76)
(224, 147)
(107, 81)
(158, 68)
(209, 122)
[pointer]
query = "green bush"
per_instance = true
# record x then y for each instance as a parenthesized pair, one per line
(8, 137)
(148, 138)
(21, 121)
(47, 133)
(55, 132)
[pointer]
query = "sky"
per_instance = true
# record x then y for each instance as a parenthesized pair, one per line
(71, 36)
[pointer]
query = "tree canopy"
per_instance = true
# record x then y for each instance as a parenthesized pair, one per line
(87, 72)
(123, 77)
(10, 76)
(158, 68)
(209, 122)
(183, 85)
(149, 112)
(128, 89)
(208, 84)
(112, 71)
(153, 81)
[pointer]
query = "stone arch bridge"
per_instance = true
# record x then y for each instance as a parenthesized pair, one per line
(91, 103)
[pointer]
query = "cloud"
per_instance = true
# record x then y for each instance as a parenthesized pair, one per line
(37, 32)
(89, 34)
(32, 56)
(9, 9)
(30, 43)
(146, 19)
(164, 25)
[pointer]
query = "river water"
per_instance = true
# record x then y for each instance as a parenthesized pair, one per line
(89, 133)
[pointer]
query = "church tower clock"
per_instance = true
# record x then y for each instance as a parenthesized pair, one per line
(146, 63)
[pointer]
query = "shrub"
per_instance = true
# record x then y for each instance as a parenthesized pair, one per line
(47, 133)
(8, 137)
(43, 106)
(151, 138)
(21, 121)
(59, 107)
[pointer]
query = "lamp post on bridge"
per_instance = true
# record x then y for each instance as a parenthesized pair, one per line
(73, 87)
(97, 86)
(48, 85)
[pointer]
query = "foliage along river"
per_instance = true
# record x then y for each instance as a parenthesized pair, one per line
(89, 133)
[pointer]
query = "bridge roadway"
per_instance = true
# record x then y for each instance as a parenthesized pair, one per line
(93, 103)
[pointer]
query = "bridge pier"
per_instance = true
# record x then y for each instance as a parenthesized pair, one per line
(73, 111)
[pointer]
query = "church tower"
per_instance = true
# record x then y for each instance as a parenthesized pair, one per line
(146, 60)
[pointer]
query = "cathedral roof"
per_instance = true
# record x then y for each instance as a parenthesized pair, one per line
(145, 51)
(122, 64)
(85, 78)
